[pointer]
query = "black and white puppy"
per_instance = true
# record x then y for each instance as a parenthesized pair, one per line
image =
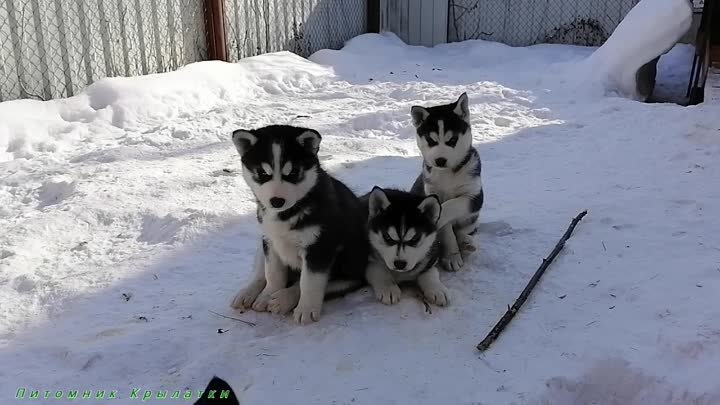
(402, 229)
(312, 224)
(452, 171)
(218, 392)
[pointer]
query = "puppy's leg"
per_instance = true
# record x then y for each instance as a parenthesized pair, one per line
(433, 289)
(312, 294)
(452, 259)
(386, 289)
(464, 230)
(283, 301)
(276, 280)
(246, 296)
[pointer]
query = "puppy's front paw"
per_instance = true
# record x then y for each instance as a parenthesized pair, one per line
(438, 295)
(389, 294)
(452, 262)
(467, 247)
(245, 298)
(283, 301)
(261, 303)
(307, 313)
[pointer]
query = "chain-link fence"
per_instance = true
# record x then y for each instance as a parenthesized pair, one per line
(54, 48)
(299, 26)
(528, 22)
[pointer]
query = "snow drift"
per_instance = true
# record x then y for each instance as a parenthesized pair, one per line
(626, 61)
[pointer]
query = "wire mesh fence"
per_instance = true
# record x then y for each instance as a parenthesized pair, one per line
(54, 48)
(299, 26)
(528, 22)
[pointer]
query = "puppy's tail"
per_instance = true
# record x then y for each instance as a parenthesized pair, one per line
(339, 288)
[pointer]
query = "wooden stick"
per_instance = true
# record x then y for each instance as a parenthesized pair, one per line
(505, 320)
(234, 319)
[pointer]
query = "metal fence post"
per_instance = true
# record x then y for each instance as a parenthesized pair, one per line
(373, 16)
(215, 23)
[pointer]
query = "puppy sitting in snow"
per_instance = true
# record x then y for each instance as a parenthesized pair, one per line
(402, 229)
(312, 224)
(451, 170)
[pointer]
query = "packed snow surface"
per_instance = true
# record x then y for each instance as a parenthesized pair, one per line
(125, 222)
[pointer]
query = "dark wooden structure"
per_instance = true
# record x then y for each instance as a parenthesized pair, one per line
(707, 50)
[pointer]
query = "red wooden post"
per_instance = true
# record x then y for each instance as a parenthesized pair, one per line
(215, 26)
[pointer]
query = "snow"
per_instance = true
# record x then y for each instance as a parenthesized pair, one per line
(125, 222)
(617, 61)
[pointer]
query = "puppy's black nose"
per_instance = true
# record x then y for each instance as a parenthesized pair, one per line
(277, 202)
(400, 264)
(440, 162)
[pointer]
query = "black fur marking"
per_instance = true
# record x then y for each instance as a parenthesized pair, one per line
(403, 207)
(419, 186)
(469, 155)
(451, 122)
(295, 176)
(285, 135)
(265, 246)
(476, 202)
(477, 172)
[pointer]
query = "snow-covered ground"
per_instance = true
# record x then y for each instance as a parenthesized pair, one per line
(125, 222)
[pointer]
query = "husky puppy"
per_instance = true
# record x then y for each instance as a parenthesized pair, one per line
(312, 224)
(451, 170)
(402, 229)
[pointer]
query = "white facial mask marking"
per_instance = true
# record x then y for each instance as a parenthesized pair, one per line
(276, 187)
(393, 233)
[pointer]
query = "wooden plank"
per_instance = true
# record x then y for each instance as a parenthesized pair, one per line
(404, 31)
(426, 22)
(414, 23)
(440, 22)
(712, 87)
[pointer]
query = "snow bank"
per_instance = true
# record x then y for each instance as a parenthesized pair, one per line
(121, 104)
(650, 29)
(124, 221)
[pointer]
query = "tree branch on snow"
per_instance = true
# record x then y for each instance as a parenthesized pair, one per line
(512, 310)
(234, 319)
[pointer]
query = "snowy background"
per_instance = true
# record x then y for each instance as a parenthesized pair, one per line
(125, 222)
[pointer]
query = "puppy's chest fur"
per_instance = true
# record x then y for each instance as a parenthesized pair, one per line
(285, 240)
(447, 185)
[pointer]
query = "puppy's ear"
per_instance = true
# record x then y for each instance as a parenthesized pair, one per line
(378, 201)
(431, 208)
(310, 140)
(461, 107)
(418, 114)
(243, 140)
(218, 392)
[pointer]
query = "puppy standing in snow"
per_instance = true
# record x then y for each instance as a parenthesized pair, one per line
(402, 228)
(451, 170)
(312, 224)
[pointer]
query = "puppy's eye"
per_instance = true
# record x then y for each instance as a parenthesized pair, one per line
(452, 141)
(294, 172)
(414, 240)
(262, 176)
(430, 141)
(387, 238)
